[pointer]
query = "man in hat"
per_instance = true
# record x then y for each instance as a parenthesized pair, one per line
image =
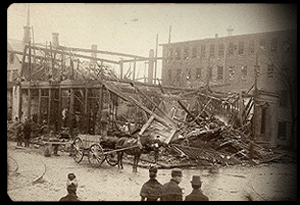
(72, 185)
(152, 189)
(171, 191)
(196, 194)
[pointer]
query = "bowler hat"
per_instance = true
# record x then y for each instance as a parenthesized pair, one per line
(153, 169)
(176, 173)
(196, 180)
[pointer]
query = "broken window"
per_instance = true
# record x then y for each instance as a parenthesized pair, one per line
(194, 51)
(170, 54)
(186, 53)
(188, 75)
(198, 73)
(212, 50)
(220, 72)
(244, 72)
(270, 71)
(283, 97)
(231, 73)
(231, 48)
(263, 121)
(203, 50)
(251, 47)
(177, 53)
(221, 49)
(210, 69)
(274, 44)
(282, 127)
(241, 47)
(262, 45)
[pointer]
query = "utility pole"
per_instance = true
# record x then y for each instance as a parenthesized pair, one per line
(254, 121)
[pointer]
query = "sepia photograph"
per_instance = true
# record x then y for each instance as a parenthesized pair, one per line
(151, 102)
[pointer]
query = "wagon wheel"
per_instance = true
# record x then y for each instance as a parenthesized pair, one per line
(78, 149)
(95, 155)
(111, 158)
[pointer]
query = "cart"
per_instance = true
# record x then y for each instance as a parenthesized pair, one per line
(96, 149)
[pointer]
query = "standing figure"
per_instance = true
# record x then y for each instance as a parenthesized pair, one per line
(19, 127)
(71, 188)
(196, 194)
(156, 146)
(171, 190)
(152, 189)
(27, 131)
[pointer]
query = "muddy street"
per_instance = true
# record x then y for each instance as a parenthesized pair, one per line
(33, 177)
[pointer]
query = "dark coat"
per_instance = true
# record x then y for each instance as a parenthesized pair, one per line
(152, 190)
(171, 191)
(69, 197)
(27, 130)
(196, 195)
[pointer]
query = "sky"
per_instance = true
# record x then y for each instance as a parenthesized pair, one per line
(132, 28)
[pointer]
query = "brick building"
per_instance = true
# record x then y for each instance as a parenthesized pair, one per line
(227, 64)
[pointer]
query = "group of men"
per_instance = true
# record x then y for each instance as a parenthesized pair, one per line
(152, 190)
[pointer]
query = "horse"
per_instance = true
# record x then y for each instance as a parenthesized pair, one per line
(136, 147)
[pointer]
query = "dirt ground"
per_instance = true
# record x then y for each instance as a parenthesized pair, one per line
(107, 183)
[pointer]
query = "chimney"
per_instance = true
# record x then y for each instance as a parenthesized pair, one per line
(26, 36)
(94, 54)
(229, 30)
(55, 42)
(216, 35)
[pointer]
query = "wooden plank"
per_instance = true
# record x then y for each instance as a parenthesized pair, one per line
(146, 125)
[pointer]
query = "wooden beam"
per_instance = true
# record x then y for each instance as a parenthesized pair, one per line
(74, 54)
(71, 111)
(49, 109)
(102, 52)
(29, 104)
(39, 105)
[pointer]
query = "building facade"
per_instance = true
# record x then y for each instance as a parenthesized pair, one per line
(228, 64)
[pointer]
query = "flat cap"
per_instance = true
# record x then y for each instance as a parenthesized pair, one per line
(176, 173)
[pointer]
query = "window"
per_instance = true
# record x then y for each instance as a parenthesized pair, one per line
(194, 51)
(274, 44)
(177, 53)
(170, 54)
(231, 73)
(186, 53)
(263, 121)
(169, 75)
(283, 98)
(188, 75)
(220, 72)
(212, 50)
(286, 46)
(198, 73)
(262, 45)
(221, 49)
(210, 72)
(231, 48)
(251, 47)
(270, 71)
(244, 72)
(203, 50)
(282, 127)
(241, 47)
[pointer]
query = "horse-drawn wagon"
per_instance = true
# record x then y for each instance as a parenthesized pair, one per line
(110, 149)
